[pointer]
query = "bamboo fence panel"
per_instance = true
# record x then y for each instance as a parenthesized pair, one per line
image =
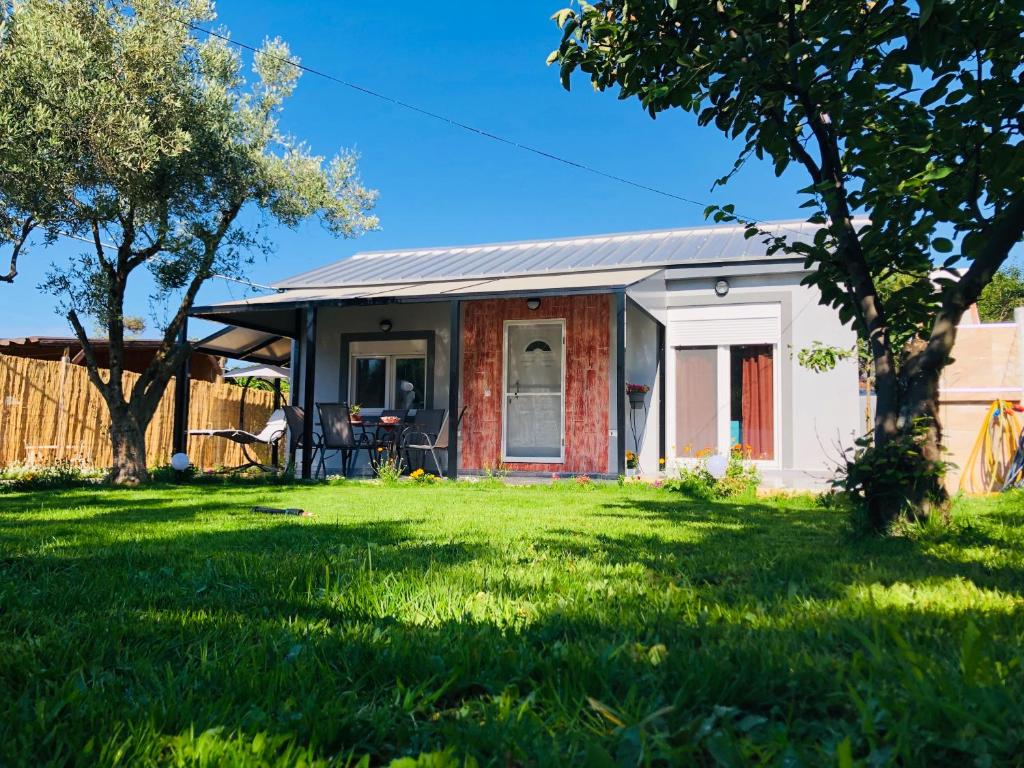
(50, 411)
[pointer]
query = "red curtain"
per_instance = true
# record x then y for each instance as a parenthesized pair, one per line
(758, 402)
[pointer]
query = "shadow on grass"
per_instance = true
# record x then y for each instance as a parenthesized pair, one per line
(804, 544)
(322, 635)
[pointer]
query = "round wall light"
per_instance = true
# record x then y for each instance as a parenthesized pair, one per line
(533, 304)
(385, 325)
(722, 287)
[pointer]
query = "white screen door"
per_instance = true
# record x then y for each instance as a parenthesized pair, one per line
(534, 391)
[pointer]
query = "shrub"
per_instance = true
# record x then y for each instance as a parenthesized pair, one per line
(389, 471)
(880, 484)
(60, 474)
(194, 476)
(741, 478)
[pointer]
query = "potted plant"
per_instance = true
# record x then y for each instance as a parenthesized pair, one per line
(636, 394)
(353, 412)
(632, 464)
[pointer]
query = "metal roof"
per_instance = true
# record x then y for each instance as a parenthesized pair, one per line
(660, 248)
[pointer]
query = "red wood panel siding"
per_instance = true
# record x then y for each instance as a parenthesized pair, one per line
(586, 380)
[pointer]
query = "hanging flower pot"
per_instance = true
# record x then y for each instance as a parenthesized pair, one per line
(637, 393)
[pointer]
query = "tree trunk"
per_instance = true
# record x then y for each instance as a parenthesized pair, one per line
(917, 445)
(128, 440)
(921, 412)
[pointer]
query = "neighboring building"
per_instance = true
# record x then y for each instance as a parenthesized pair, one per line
(548, 333)
(987, 365)
(137, 353)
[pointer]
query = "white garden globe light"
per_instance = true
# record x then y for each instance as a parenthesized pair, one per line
(717, 465)
(180, 462)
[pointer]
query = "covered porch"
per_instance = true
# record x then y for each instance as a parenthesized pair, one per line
(539, 363)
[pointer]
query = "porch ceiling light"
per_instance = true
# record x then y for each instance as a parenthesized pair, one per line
(722, 287)
(533, 304)
(385, 325)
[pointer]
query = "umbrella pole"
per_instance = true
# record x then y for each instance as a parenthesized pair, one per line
(277, 405)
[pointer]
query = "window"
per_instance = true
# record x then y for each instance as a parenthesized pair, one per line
(696, 400)
(725, 396)
(752, 400)
(370, 386)
(387, 380)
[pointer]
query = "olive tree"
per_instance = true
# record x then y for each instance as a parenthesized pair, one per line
(905, 118)
(119, 125)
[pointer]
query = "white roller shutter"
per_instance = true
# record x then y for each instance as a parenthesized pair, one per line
(724, 324)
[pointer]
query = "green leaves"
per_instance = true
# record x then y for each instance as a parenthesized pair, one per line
(130, 126)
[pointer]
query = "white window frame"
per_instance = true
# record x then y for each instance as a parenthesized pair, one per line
(724, 395)
(389, 374)
(504, 395)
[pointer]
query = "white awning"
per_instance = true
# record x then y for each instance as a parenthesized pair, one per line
(258, 371)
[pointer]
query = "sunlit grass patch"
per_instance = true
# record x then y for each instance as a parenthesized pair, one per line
(512, 625)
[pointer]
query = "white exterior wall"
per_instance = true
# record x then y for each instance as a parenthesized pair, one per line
(818, 412)
(642, 368)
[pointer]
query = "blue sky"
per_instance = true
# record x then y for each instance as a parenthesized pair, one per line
(483, 64)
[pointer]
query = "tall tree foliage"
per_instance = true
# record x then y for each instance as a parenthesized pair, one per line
(904, 117)
(1002, 296)
(118, 125)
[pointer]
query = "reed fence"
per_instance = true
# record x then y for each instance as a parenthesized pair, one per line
(50, 412)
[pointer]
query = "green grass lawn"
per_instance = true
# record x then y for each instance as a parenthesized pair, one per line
(511, 625)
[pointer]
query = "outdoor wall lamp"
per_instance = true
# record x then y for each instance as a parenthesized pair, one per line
(385, 325)
(532, 304)
(722, 287)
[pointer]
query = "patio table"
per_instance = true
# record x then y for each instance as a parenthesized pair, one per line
(384, 433)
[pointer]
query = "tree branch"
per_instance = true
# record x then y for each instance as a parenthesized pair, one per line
(92, 367)
(19, 243)
(167, 359)
(1005, 232)
(101, 255)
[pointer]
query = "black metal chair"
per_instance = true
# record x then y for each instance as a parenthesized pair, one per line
(338, 436)
(432, 443)
(426, 426)
(296, 419)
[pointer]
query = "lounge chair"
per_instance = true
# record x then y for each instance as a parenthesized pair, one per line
(270, 435)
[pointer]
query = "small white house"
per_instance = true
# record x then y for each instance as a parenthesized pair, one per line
(538, 342)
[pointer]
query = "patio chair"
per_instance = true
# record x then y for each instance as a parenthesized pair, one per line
(336, 434)
(417, 440)
(426, 424)
(296, 418)
(274, 430)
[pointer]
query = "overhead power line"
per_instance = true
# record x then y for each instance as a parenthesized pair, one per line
(455, 123)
